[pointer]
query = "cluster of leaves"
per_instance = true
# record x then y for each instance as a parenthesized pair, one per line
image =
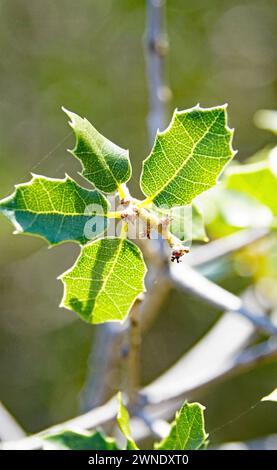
(187, 432)
(185, 161)
(181, 172)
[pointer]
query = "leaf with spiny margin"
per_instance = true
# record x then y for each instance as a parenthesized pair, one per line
(258, 180)
(187, 431)
(58, 210)
(188, 157)
(186, 222)
(105, 164)
(70, 440)
(105, 280)
(123, 420)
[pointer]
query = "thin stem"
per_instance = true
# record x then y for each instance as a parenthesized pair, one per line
(156, 49)
(123, 191)
(114, 215)
(124, 230)
(134, 355)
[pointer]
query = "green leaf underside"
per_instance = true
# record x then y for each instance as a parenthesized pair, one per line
(258, 180)
(187, 157)
(123, 420)
(186, 222)
(56, 209)
(70, 440)
(187, 431)
(104, 164)
(105, 280)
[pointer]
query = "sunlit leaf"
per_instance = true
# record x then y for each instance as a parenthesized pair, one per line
(70, 440)
(104, 164)
(258, 180)
(123, 420)
(105, 280)
(188, 157)
(187, 431)
(58, 210)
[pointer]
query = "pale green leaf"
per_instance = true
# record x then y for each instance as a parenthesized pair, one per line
(57, 209)
(105, 280)
(258, 180)
(226, 211)
(188, 157)
(271, 397)
(187, 431)
(70, 440)
(123, 420)
(104, 164)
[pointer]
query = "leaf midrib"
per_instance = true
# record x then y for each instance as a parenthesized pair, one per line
(78, 214)
(98, 156)
(102, 288)
(185, 161)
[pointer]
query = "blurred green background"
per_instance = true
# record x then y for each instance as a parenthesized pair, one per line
(88, 56)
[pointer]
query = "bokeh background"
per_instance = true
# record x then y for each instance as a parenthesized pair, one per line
(88, 56)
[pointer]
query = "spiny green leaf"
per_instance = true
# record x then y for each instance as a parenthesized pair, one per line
(56, 209)
(105, 280)
(186, 222)
(271, 397)
(123, 420)
(187, 157)
(258, 180)
(187, 431)
(70, 440)
(104, 164)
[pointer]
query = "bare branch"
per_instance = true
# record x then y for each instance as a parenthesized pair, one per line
(225, 246)
(159, 409)
(156, 49)
(102, 365)
(189, 280)
(9, 428)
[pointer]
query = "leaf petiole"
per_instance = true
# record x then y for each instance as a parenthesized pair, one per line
(114, 215)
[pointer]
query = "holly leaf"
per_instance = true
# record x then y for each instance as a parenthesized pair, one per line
(105, 280)
(70, 440)
(188, 157)
(186, 222)
(258, 180)
(58, 210)
(123, 420)
(187, 431)
(271, 397)
(104, 164)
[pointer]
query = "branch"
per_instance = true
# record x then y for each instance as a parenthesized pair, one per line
(9, 428)
(102, 364)
(91, 420)
(159, 409)
(165, 409)
(225, 246)
(156, 49)
(189, 280)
